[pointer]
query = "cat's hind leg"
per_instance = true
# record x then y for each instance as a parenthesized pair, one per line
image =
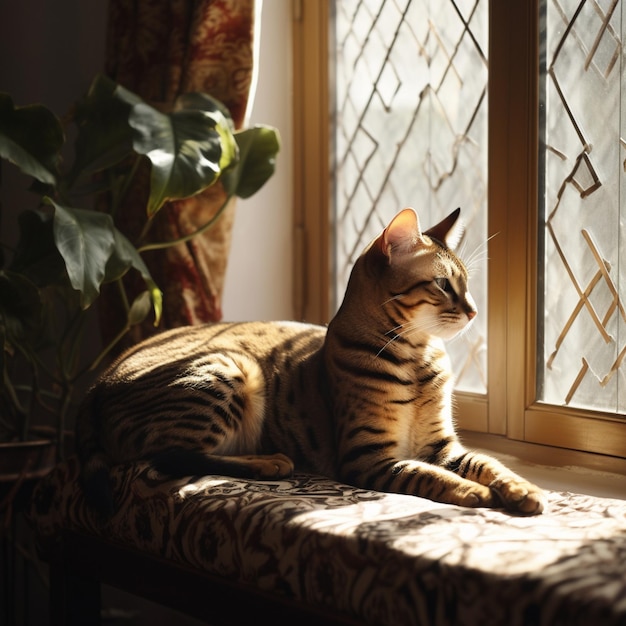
(222, 397)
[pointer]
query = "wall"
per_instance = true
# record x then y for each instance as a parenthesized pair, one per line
(259, 276)
(50, 51)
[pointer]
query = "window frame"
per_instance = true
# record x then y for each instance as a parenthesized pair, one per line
(510, 409)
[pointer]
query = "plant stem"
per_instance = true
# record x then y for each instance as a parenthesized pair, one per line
(128, 179)
(66, 395)
(144, 231)
(96, 362)
(24, 415)
(168, 244)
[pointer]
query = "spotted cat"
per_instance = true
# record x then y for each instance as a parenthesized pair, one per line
(366, 401)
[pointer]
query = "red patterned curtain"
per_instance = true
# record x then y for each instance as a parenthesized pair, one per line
(160, 49)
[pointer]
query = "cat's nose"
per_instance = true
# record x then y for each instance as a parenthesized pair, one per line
(470, 307)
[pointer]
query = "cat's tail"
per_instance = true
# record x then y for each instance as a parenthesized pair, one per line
(179, 462)
(95, 463)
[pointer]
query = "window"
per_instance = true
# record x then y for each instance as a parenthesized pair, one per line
(409, 104)
(522, 101)
(581, 171)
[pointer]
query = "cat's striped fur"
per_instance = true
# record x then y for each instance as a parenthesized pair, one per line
(366, 401)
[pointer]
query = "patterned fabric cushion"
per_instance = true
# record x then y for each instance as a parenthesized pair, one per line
(384, 558)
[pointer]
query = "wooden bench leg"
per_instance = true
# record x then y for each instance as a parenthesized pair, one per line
(74, 600)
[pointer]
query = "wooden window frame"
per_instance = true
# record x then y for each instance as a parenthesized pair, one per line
(510, 409)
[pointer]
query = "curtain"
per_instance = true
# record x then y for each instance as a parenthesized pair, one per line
(160, 49)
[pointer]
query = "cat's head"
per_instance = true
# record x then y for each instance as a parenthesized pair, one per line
(421, 284)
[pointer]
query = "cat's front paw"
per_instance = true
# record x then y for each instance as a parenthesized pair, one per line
(477, 496)
(519, 496)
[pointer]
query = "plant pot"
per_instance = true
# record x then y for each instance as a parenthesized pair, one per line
(26, 460)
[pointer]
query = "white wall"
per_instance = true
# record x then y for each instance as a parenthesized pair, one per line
(259, 276)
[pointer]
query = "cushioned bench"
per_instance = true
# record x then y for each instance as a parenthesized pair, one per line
(309, 550)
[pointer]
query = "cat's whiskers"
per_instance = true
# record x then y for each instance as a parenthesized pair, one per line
(477, 263)
(393, 330)
(465, 332)
(410, 328)
(395, 336)
(396, 297)
(460, 252)
(478, 256)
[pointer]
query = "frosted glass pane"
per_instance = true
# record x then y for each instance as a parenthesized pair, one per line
(411, 130)
(581, 316)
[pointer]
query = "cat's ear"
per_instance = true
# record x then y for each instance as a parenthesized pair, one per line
(402, 233)
(449, 231)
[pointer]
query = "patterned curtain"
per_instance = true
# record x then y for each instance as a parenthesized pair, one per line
(160, 49)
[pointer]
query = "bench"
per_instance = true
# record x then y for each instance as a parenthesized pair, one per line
(309, 550)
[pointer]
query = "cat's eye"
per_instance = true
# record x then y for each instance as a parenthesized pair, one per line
(443, 284)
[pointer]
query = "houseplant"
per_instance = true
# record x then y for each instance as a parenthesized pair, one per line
(68, 246)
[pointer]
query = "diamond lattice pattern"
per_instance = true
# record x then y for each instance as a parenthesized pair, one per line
(411, 130)
(583, 342)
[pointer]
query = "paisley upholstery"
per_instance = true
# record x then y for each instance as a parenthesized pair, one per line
(382, 558)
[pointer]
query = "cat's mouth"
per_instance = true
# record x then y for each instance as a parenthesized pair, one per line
(456, 325)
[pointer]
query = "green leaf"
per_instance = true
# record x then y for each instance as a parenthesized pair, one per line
(123, 257)
(104, 134)
(187, 148)
(85, 240)
(198, 101)
(258, 147)
(225, 126)
(140, 308)
(31, 137)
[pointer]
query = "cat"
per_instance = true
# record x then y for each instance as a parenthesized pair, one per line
(366, 401)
